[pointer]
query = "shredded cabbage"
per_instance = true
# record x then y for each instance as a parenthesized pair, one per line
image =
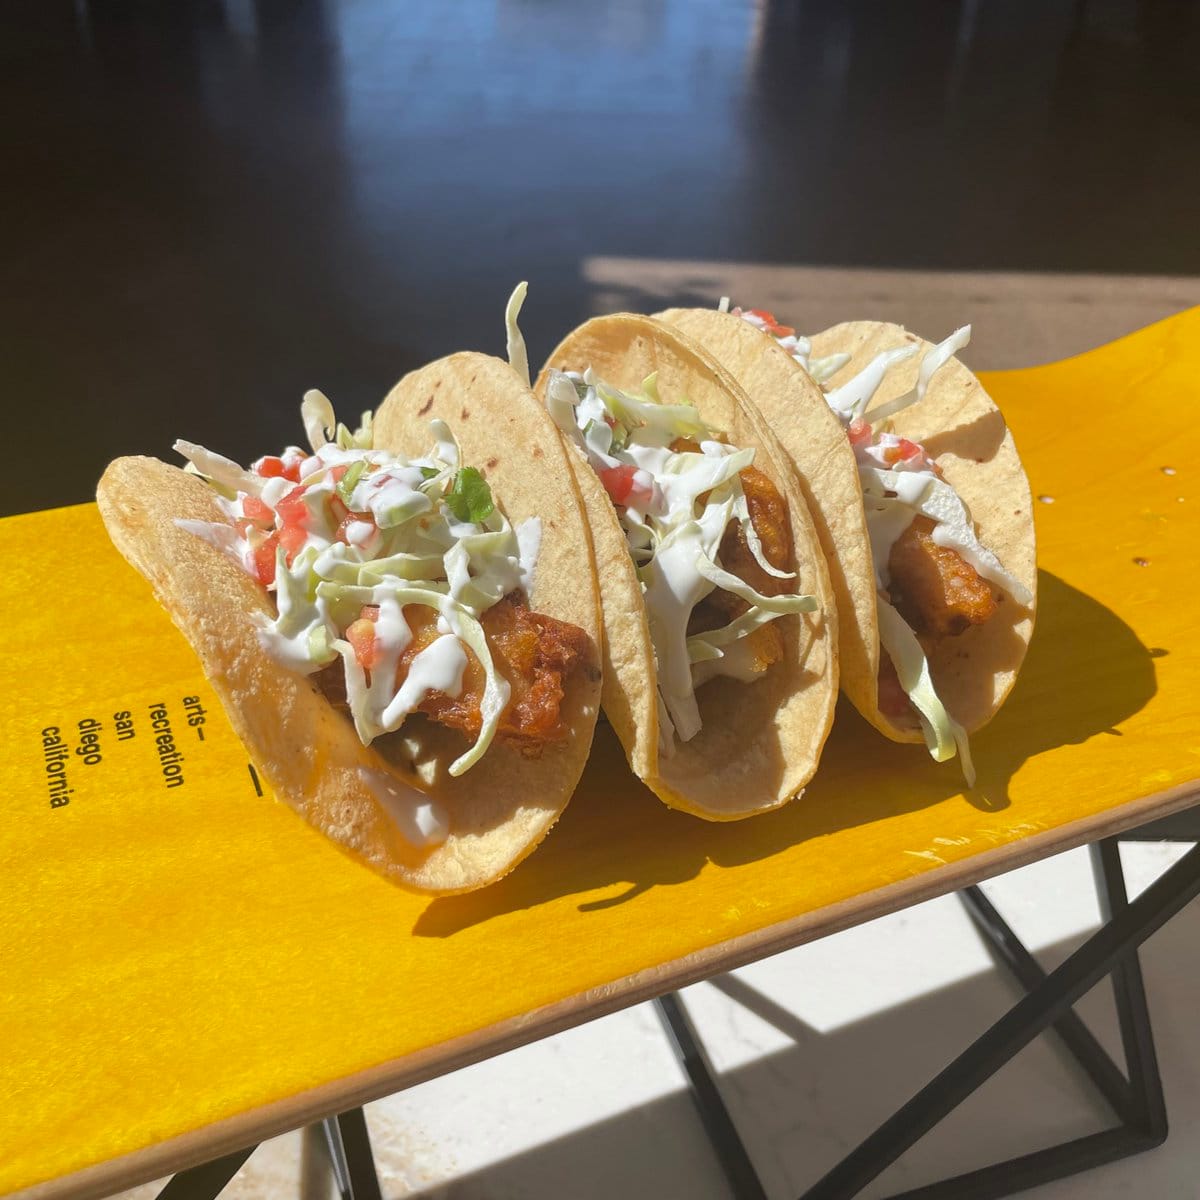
(518, 356)
(317, 414)
(376, 530)
(656, 423)
(322, 427)
(800, 348)
(885, 494)
(931, 363)
(771, 604)
(822, 369)
(943, 735)
(851, 399)
(895, 490)
(674, 506)
(228, 477)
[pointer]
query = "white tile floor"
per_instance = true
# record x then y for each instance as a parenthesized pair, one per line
(815, 1047)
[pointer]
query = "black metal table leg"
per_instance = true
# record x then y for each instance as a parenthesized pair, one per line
(364, 1180)
(1129, 992)
(314, 1165)
(1031, 1170)
(1076, 1036)
(735, 1162)
(346, 1140)
(1137, 1101)
(1015, 1030)
(206, 1181)
(337, 1157)
(349, 1146)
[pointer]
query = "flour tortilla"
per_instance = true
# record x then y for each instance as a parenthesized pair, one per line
(961, 428)
(307, 751)
(760, 742)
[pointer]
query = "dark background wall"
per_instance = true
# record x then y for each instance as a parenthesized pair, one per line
(208, 207)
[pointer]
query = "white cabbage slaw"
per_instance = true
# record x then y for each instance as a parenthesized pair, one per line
(674, 507)
(800, 348)
(348, 530)
(899, 483)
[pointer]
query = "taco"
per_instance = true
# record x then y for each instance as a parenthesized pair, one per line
(921, 505)
(720, 628)
(401, 623)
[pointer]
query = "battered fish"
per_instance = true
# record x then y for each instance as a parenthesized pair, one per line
(933, 587)
(533, 652)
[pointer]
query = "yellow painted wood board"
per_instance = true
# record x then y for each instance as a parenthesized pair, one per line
(187, 967)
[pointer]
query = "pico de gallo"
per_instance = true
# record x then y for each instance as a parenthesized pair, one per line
(397, 582)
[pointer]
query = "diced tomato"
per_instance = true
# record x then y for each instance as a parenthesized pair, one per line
(773, 326)
(273, 467)
(291, 509)
(338, 471)
(264, 560)
(369, 612)
(361, 635)
(622, 485)
(269, 467)
(859, 432)
(618, 482)
(902, 451)
(292, 539)
(257, 511)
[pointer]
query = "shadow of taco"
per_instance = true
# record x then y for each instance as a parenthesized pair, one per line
(720, 623)
(399, 620)
(921, 505)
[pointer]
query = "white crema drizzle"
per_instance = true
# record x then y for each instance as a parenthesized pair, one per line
(899, 482)
(382, 535)
(673, 536)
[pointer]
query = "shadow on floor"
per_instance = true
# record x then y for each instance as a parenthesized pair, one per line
(801, 1109)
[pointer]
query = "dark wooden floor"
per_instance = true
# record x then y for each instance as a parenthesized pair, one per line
(209, 207)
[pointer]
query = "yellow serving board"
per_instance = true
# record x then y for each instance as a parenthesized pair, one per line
(187, 967)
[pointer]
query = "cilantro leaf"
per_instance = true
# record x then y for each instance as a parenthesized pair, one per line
(429, 472)
(470, 499)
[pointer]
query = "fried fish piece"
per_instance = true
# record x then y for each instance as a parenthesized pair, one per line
(769, 516)
(744, 660)
(933, 587)
(752, 655)
(534, 653)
